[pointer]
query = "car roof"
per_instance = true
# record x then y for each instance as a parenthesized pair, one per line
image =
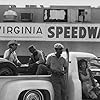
(78, 54)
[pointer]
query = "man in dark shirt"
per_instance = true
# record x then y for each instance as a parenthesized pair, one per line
(36, 60)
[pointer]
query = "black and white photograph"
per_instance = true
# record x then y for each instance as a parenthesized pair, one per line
(49, 50)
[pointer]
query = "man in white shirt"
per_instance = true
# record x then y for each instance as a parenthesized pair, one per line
(10, 53)
(59, 67)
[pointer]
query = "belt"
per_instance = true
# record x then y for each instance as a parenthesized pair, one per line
(57, 74)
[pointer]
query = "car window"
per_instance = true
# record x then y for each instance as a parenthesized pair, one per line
(91, 63)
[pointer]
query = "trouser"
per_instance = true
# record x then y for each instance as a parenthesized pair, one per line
(42, 70)
(32, 69)
(59, 86)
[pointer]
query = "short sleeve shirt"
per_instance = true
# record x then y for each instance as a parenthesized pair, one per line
(55, 63)
(13, 56)
(37, 58)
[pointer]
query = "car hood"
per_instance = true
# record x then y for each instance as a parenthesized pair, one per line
(2, 60)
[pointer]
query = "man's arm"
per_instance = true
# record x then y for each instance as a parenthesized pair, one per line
(66, 62)
(48, 63)
(41, 58)
(31, 60)
(16, 60)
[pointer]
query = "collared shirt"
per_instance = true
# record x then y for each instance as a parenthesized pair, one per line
(39, 58)
(13, 56)
(55, 63)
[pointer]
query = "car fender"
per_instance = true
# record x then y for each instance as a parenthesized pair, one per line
(4, 63)
(11, 90)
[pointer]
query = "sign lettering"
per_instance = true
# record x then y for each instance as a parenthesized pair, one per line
(74, 32)
(20, 30)
(50, 32)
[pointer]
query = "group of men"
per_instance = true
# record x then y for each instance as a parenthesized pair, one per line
(55, 64)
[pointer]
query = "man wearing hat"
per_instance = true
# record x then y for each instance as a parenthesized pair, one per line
(58, 66)
(10, 53)
(36, 60)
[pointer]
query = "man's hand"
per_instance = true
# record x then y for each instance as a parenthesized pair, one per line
(10, 50)
(19, 64)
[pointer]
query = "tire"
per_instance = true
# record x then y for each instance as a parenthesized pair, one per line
(6, 71)
(33, 95)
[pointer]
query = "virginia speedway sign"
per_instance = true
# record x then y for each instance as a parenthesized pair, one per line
(50, 31)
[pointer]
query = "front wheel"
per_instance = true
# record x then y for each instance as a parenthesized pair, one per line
(33, 95)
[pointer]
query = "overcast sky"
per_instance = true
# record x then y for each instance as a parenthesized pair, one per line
(19, 3)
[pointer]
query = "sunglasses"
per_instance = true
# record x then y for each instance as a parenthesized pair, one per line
(59, 49)
(14, 44)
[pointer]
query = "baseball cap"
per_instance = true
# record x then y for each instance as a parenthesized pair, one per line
(13, 42)
(58, 46)
(32, 47)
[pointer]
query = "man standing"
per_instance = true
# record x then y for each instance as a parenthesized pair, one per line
(10, 53)
(58, 66)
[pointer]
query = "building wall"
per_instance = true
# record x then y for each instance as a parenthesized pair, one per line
(47, 47)
(3, 8)
(92, 16)
(95, 15)
(37, 12)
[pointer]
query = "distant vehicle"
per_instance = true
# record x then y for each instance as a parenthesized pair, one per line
(94, 63)
(96, 72)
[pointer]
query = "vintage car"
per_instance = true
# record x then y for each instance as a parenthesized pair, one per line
(17, 84)
(8, 68)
